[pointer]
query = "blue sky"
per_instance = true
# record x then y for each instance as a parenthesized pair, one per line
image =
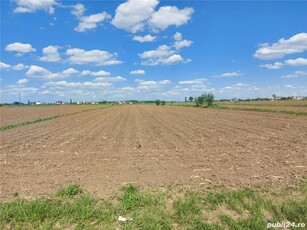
(148, 49)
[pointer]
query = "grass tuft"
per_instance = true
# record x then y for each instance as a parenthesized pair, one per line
(74, 208)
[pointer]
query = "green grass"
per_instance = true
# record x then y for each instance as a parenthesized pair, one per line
(72, 207)
(12, 126)
(220, 106)
(264, 110)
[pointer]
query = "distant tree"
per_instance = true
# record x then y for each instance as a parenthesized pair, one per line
(199, 100)
(185, 99)
(274, 95)
(163, 103)
(209, 98)
(206, 97)
(191, 99)
(158, 102)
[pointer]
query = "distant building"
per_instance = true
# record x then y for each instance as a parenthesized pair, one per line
(59, 102)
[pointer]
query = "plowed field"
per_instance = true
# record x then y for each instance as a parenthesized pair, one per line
(13, 115)
(154, 145)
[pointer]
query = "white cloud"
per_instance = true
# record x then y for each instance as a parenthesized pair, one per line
(146, 38)
(151, 85)
(132, 15)
(90, 22)
(42, 73)
(19, 66)
(137, 72)
(170, 15)
(4, 66)
(295, 44)
(20, 47)
(51, 54)
(229, 74)
(163, 55)
(296, 74)
(175, 58)
(31, 6)
(290, 62)
(138, 15)
(177, 36)
(182, 43)
(23, 81)
(97, 57)
(78, 10)
(192, 82)
(110, 79)
(96, 74)
(166, 55)
(64, 84)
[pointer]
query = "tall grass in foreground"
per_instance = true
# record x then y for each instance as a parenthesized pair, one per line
(169, 208)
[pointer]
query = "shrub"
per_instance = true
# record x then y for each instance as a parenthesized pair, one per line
(163, 103)
(158, 102)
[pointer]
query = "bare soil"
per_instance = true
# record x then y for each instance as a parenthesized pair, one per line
(154, 145)
(15, 114)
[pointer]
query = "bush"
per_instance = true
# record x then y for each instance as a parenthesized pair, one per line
(206, 97)
(200, 100)
(158, 102)
(209, 98)
(163, 103)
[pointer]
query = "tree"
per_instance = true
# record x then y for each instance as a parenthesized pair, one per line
(191, 99)
(209, 98)
(158, 102)
(200, 100)
(206, 97)
(163, 103)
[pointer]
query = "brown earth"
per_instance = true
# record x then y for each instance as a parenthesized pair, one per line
(15, 114)
(270, 107)
(150, 145)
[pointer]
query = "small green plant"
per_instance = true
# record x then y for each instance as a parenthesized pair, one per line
(158, 102)
(70, 191)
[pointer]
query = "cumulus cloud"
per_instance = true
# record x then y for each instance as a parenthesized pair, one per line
(296, 74)
(110, 79)
(97, 57)
(23, 81)
(42, 73)
(138, 15)
(192, 82)
(31, 6)
(163, 55)
(96, 74)
(295, 44)
(4, 66)
(20, 47)
(170, 15)
(19, 66)
(146, 38)
(166, 55)
(87, 84)
(151, 85)
(137, 72)
(90, 22)
(78, 10)
(229, 74)
(51, 54)
(133, 15)
(290, 62)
